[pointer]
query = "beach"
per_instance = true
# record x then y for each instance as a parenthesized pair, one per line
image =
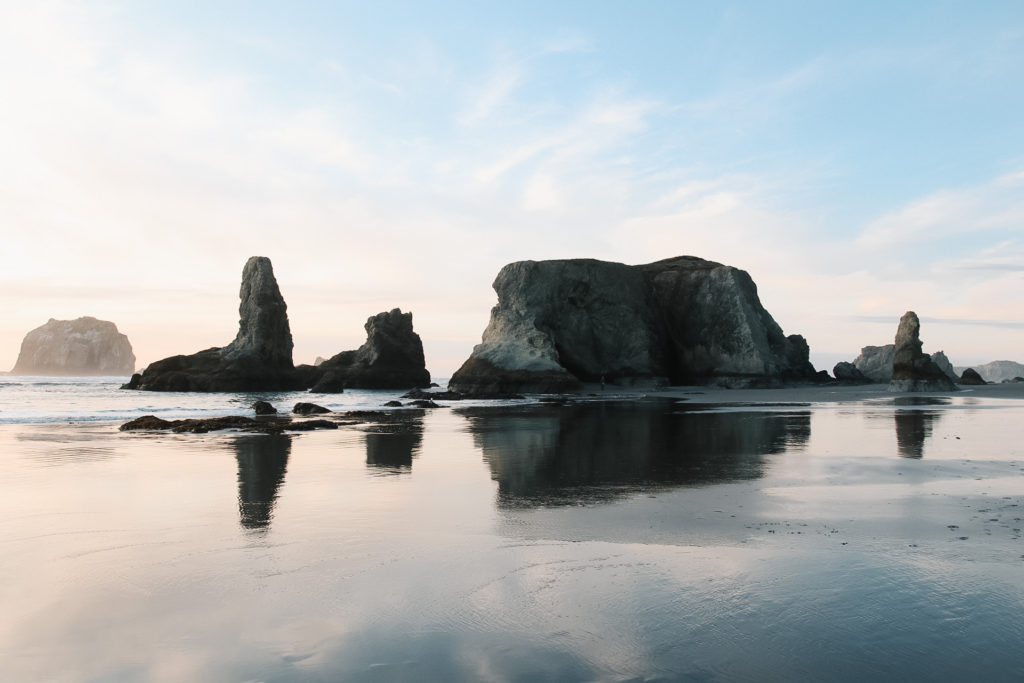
(823, 533)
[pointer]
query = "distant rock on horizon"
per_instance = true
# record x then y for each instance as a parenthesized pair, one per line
(912, 369)
(683, 320)
(998, 370)
(875, 363)
(81, 347)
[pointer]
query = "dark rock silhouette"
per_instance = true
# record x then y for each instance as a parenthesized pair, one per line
(263, 408)
(970, 377)
(81, 347)
(391, 358)
(849, 374)
(912, 369)
(259, 359)
(685, 319)
(302, 408)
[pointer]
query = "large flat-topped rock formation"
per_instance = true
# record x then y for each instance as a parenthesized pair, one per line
(684, 319)
(81, 347)
(912, 369)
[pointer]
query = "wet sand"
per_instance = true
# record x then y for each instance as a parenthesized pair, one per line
(692, 534)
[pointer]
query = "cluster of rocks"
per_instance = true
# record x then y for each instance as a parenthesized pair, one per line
(81, 347)
(682, 321)
(904, 366)
(260, 357)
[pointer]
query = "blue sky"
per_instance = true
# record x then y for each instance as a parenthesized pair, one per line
(858, 159)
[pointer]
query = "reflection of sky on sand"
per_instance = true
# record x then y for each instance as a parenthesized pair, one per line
(792, 546)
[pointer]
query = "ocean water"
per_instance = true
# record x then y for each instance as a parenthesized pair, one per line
(612, 540)
(32, 400)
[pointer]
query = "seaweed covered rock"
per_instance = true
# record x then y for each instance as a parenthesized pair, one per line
(81, 347)
(561, 322)
(912, 369)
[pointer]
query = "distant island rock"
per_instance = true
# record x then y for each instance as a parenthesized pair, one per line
(848, 373)
(998, 370)
(260, 357)
(912, 369)
(685, 320)
(81, 347)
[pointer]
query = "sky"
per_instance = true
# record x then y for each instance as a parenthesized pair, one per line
(857, 159)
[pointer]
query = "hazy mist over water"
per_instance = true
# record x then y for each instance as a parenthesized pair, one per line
(652, 539)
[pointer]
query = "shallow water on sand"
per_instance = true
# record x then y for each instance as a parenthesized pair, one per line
(649, 540)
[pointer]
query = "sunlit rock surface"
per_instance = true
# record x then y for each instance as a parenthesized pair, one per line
(82, 347)
(683, 319)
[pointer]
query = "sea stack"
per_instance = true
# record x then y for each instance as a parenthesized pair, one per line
(681, 320)
(912, 369)
(81, 347)
(260, 357)
(391, 358)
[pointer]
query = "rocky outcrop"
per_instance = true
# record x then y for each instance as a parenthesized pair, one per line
(847, 373)
(391, 358)
(81, 347)
(970, 377)
(875, 362)
(559, 323)
(912, 369)
(999, 370)
(940, 359)
(260, 357)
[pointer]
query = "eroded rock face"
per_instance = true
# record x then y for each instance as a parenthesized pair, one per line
(685, 319)
(391, 358)
(81, 347)
(912, 369)
(875, 362)
(260, 357)
(940, 359)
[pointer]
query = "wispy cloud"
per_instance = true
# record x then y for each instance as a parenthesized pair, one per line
(996, 205)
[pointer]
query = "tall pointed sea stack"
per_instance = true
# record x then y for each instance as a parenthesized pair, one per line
(260, 357)
(912, 369)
